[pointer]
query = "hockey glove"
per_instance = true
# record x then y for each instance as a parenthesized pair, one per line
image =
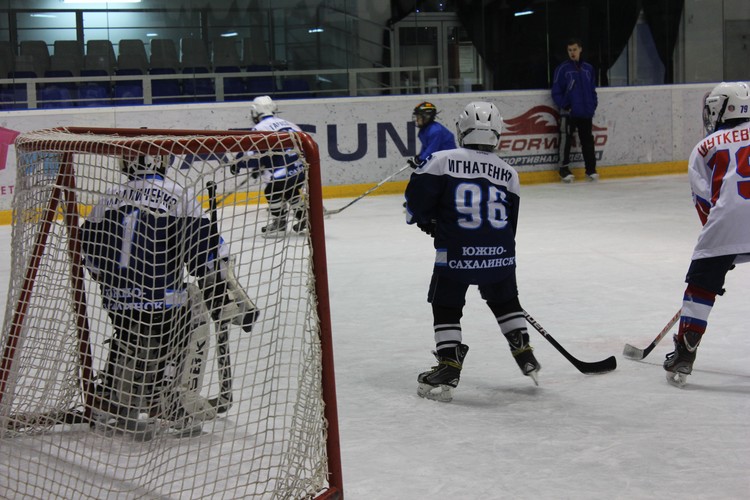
(429, 227)
(414, 162)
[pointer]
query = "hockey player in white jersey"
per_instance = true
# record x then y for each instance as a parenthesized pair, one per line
(467, 200)
(284, 178)
(138, 241)
(719, 173)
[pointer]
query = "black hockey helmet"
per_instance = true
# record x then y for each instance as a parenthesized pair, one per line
(426, 110)
(144, 165)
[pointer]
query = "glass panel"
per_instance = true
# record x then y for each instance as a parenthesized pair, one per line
(47, 26)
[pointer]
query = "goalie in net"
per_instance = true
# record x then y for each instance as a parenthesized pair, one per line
(131, 242)
(122, 277)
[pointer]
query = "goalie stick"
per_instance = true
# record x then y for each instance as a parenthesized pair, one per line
(327, 212)
(223, 401)
(603, 366)
(632, 352)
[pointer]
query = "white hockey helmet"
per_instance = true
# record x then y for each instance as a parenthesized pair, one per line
(261, 107)
(727, 101)
(479, 124)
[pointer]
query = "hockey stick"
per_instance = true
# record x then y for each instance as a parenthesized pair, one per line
(327, 212)
(603, 366)
(631, 352)
(223, 402)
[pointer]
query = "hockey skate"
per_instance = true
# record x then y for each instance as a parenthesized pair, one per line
(592, 176)
(301, 224)
(518, 341)
(187, 413)
(566, 175)
(438, 383)
(679, 363)
(275, 229)
(110, 418)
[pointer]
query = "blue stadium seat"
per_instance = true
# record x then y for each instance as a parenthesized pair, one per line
(58, 94)
(94, 93)
(15, 96)
(165, 91)
(198, 89)
(295, 88)
(234, 87)
(260, 85)
(128, 92)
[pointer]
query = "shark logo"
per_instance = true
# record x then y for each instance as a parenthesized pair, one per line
(532, 138)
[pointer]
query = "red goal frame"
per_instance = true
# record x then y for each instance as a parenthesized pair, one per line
(63, 200)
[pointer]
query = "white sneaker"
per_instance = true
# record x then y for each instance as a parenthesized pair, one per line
(592, 177)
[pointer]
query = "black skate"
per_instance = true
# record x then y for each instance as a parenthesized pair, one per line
(679, 363)
(110, 418)
(301, 224)
(438, 383)
(275, 229)
(518, 341)
(566, 175)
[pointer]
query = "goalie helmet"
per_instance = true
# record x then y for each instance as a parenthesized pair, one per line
(261, 107)
(727, 101)
(144, 165)
(425, 110)
(479, 125)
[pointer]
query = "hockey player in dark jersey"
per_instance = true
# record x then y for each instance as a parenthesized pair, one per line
(138, 241)
(467, 200)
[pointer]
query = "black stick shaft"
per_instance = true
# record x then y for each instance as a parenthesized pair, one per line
(603, 366)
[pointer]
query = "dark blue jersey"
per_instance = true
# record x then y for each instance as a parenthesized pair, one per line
(140, 238)
(473, 196)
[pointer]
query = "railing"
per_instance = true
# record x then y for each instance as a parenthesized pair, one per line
(114, 90)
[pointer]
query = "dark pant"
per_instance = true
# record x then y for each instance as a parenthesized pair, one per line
(710, 273)
(279, 192)
(568, 126)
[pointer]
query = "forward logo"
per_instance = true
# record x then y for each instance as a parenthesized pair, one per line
(533, 138)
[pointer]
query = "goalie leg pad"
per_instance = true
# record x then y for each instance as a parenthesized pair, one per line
(240, 308)
(182, 404)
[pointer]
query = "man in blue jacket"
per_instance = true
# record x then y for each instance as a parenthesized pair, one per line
(574, 93)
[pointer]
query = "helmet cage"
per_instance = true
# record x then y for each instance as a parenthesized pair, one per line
(144, 165)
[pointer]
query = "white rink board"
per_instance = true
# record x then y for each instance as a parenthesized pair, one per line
(363, 139)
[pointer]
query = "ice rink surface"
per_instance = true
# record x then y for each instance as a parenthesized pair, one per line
(599, 265)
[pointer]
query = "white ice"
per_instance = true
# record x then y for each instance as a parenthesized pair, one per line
(599, 265)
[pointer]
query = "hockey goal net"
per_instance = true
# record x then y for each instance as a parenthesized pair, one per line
(278, 438)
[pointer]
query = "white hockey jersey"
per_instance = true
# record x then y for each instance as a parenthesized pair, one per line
(719, 172)
(282, 167)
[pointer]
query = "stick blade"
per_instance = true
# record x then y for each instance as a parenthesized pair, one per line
(597, 367)
(632, 352)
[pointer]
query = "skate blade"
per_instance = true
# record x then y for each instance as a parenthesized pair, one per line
(274, 235)
(191, 431)
(442, 393)
(140, 431)
(534, 374)
(677, 379)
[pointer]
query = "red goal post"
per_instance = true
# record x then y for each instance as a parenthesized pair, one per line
(54, 328)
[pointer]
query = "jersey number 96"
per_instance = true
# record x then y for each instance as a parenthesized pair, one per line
(471, 198)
